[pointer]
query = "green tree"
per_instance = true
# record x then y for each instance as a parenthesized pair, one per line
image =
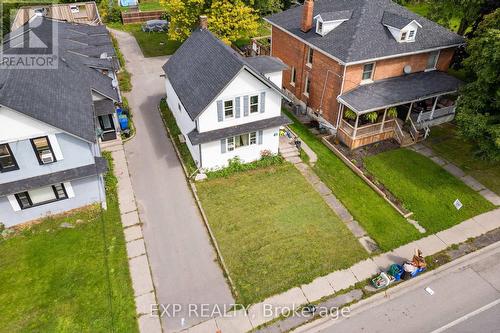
(184, 15)
(232, 19)
(478, 110)
(265, 7)
(444, 11)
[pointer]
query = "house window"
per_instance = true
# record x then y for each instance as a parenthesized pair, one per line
(403, 35)
(228, 109)
(242, 140)
(319, 29)
(432, 60)
(43, 150)
(7, 160)
(41, 196)
(307, 85)
(293, 76)
(411, 35)
(310, 54)
(368, 71)
(254, 104)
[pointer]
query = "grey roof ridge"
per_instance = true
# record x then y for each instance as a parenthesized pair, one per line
(358, 24)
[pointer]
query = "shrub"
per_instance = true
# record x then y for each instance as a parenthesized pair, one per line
(236, 165)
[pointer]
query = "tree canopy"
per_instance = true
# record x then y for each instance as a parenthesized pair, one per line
(478, 110)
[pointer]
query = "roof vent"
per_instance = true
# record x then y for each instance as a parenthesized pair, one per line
(407, 69)
(104, 55)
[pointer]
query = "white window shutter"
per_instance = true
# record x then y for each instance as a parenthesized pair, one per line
(69, 190)
(55, 147)
(14, 203)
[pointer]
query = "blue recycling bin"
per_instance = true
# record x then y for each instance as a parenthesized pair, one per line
(119, 111)
(123, 120)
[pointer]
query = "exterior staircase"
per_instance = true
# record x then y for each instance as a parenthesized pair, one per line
(288, 150)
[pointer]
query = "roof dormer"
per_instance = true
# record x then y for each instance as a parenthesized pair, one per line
(403, 29)
(326, 22)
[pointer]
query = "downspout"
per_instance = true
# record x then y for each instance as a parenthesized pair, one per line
(341, 91)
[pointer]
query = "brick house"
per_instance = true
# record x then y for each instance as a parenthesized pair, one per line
(368, 70)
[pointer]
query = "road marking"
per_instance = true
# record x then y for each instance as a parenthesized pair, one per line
(467, 316)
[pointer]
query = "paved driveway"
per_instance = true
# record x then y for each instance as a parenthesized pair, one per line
(182, 259)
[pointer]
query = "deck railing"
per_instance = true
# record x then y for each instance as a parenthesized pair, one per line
(367, 130)
(429, 115)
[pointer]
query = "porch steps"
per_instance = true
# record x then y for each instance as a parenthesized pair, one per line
(288, 150)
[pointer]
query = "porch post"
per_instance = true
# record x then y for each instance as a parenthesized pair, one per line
(409, 112)
(355, 126)
(383, 120)
(434, 107)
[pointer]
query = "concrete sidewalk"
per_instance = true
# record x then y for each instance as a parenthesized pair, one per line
(140, 273)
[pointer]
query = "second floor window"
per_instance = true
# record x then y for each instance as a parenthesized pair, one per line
(7, 160)
(228, 109)
(310, 54)
(432, 60)
(43, 150)
(254, 104)
(368, 71)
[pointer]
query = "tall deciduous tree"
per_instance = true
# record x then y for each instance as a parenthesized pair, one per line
(478, 111)
(232, 19)
(468, 11)
(184, 15)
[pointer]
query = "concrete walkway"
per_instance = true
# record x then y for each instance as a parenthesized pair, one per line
(183, 262)
(459, 173)
(330, 284)
(338, 208)
(140, 274)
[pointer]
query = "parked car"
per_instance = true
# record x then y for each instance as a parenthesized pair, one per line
(155, 26)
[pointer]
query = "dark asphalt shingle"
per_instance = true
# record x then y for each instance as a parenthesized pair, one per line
(363, 36)
(402, 89)
(61, 97)
(202, 67)
(396, 21)
(196, 138)
(266, 64)
(335, 16)
(100, 166)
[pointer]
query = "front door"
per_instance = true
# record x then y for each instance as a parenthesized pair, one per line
(108, 127)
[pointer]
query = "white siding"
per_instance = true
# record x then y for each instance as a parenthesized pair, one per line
(183, 120)
(276, 78)
(213, 158)
(243, 84)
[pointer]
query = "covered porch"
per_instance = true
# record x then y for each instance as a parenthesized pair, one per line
(401, 108)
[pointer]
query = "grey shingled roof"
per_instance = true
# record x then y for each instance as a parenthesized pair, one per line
(100, 166)
(202, 67)
(61, 97)
(196, 138)
(396, 21)
(399, 90)
(266, 64)
(335, 16)
(104, 107)
(364, 36)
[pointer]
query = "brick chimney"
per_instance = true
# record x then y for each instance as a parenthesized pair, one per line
(203, 22)
(307, 16)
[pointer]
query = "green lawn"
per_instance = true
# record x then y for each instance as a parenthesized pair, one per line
(152, 44)
(446, 142)
(426, 189)
(422, 8)
(275, 231)
(55, 279)
(386, 226)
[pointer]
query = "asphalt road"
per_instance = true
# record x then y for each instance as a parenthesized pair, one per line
(183, 262)
(466, 299)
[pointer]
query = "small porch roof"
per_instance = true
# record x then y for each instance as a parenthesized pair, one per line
(400, 90)
(104, 107)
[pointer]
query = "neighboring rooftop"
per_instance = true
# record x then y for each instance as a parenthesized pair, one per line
(203, 66)
(402, 89)
(61, 96)
(364, 35)
(266, 64)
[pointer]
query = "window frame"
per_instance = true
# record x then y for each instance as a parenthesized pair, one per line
(293, 76)
(224, 108)
(404, 34)
(10, 168)
(436, 59)
(310, 57)
(31, 204)
(231, 141)
(319, 27)
(372, 71)
(411, 35)
(38, 154)
(257, 104)
(307, 84)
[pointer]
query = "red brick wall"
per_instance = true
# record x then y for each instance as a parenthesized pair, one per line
(293, 52)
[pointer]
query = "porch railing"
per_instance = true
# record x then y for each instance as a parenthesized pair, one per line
(426, 116)
(367, 130)
(400, 136)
